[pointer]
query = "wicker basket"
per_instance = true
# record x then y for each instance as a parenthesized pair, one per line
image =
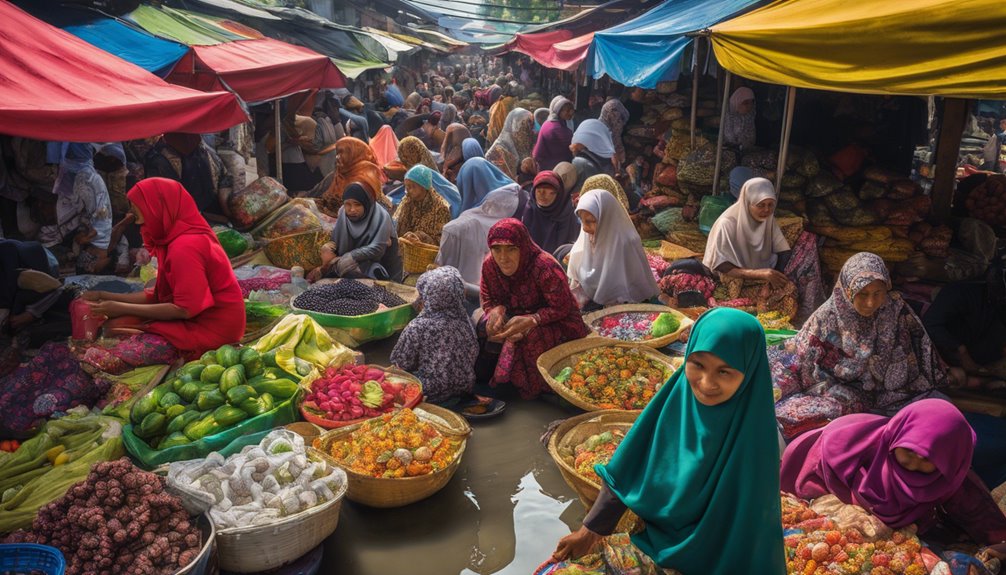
(556, 359)
(385, 492)
(417, 256)
(309, 411)
(265, 547)
(658, 342)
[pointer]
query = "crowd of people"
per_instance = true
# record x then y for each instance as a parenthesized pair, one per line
(531, 213)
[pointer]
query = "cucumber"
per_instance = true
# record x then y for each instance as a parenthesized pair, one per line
(153, 424)
(169, 399)
(179, 423)
(228, 415)
(258, 405)
(174, 411)
(228, 355)
(143, 407)
(252, 362)
(212, 374)
(189, 391)
(210, 400)
(173, 440)
(232, 377)
(236, 395)
(201, 428)
(209, 358)
(278, 388)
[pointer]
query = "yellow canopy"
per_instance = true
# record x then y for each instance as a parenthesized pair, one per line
(923, 47)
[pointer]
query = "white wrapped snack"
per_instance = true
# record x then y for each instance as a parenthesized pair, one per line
(254, 453)
(266, 516)
(321, 488)
(308, 499)
(291, 503)
(270, 485)
(307, 475)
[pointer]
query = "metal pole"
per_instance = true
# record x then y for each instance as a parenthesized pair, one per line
(719, 140)
(787, 128)
(279, 139)
(695, 88)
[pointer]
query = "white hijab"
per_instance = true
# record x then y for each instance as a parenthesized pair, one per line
(610, 266)
(464, 241)
(739, 239)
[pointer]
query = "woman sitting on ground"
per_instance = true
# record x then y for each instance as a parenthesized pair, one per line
(355, 162)
(366, 245)
(528, 309)
(423, 213)
(607, 265)
(452, 151)
(549, 215)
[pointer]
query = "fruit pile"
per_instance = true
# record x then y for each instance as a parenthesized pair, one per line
(613, 377)
(347, 297)
(355, 391)
(395, 445)
(636, 326)
(596, 450)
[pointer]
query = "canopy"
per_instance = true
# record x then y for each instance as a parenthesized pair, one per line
(924, 47)
(565, 54)
(648, 49)
(256, 70)
(55, 86)
(189, 28)
(532, 44)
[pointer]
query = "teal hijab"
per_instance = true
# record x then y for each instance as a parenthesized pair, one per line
(705, 480)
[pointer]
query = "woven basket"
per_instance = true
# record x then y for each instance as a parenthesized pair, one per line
(386, 492)
(655, 343)
(319, 420)
(556, 359)
(417, 256)
(575, 431)
(265, 547)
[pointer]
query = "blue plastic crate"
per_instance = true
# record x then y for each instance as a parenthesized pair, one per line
(24, 558)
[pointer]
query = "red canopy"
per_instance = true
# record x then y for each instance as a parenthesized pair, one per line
(256, 70)
(55, 86)
(555, 49)
(568, 55)
(535, 43)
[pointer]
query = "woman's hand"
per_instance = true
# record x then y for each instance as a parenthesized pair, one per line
(107, 308)
(91, 295)
(576, 545)
(517, 328)
(775, 278)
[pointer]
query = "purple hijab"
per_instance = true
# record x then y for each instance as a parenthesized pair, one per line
(554, 138)
(853, 459)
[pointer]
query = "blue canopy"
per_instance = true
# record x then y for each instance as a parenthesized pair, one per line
(648, 49)
(148, 52)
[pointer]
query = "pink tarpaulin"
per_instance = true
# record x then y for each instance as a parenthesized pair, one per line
(55, 86)
(557, 49)
(568, 55)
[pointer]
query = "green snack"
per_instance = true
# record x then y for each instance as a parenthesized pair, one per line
(153, 424)
(212, 374)
(238, 394)
(228, 355)
(179, 423)
(564, 375)
(665, 324)
(207, 400)
(228, 415)
(232, 377)
(278, 388)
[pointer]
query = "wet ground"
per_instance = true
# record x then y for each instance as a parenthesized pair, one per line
(502, 513)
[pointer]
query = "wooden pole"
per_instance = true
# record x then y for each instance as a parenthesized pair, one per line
(955, 113)
(695, 88)
(787, 128)
(719, 140)
(278, 151)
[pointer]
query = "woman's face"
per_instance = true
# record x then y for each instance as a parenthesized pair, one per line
(746, 107)
(507, 257)
(414, 190)
(354, 209)
(871, 298)
(763, 210)
(587, 221)
(340, 161)
(712, 381)
(913, 461)
(545, 196)
(136, 214)
(566, 113)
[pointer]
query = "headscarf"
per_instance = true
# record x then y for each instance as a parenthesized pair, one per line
(75, 158)
(555, 225)
(514, 143)
(476, 179)
(498, 114)
(596, 137)
(81, 197)
(385, 147)
(375, 226)
(554, 138)
(739, 129)
(463, 241)
(614, 116)
(361, 126)
(610, 265)
(555, 107)
(739, 239)
(471, 148)
(494, 93)
(428, 214)
(723, 485)
(452, 150)
(540, 117)
(448, 116)
(394, 96)
(853, 459)
(168, 212)
(512, 232)
(413, 102)
(412, 151)
(607, 183)
(738, 177)
(567, 173)
(359, 165)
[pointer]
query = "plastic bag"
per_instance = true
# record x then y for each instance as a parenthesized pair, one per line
(712, 208)
(255, 202)
(298, 216)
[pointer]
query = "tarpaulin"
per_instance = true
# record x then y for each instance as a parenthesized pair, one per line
(146, 51)
(565, 54)
(189, 28)
(256, 70)
(533, 44)
(925, 47)
(55, 86)
(568, 55)
(648, 49)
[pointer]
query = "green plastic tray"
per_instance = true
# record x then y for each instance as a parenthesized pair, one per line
(372, 326)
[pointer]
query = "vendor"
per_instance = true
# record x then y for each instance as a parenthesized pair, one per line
(196, 304)
(476, 179)
(528, 309)
(593, 151)
(607, 265)
(555, 136)
(365, 239)
(615, 115)
(714, 420)
(354, 162)
(423, 213)
(187, 159)
(549, 215)
(739, 123)
(514, 144)
(910, 469)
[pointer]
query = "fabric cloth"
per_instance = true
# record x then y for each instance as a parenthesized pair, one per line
(555, 224)
(739, 128)
(724, 484)
(452, 151)
(567, 173)
(477, 178)
(514, 144)
(738, 177)
(448, 116)
(439, 346)
(607, 183)
(427, 215)
(370, 241)
(538, 286)
(463, 241)
(471, 148)
(356, 162)
(193, 271)
(357, 125)
(117, 355)
(385, 147)
(738, 238)
(879, 363)
(804, 270)
(554, 138)
(394, 96)
(588, 164)
(610, 266)
(596, 137)
(412, 151)
(614, 116)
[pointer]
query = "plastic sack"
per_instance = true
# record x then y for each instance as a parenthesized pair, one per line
(149, 458)
(711, 209)
(255, 201)
(234, 242)
(298, 216)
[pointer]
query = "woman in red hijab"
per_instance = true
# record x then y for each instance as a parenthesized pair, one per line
(196, 303)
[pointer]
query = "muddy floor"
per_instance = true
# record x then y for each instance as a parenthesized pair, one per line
(502, 513)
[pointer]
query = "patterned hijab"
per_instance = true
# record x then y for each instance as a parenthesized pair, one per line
(512, 232)
(427, 215)
(412, 151)
(606, 182)
(516, 142)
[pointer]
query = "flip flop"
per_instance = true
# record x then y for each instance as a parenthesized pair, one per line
(480, 407)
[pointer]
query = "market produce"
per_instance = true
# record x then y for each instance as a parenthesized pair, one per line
(346, 297)
(636, 326)
(395, 445)
(987, 201)
(596, 450)
(297, 339)
(615, 377)
(262, 484)
(351, 392)
(118, 520)
(774, 320)
(676, 283)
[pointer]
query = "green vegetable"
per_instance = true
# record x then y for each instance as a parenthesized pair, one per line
(252, 362)
(174, 411)
(372, 395)
(177, 384)
(179, 423)
(209, 358)
(665, 324)
(228, 355)
(189, 391)
(173, 440)
(169, 399)
(153, 424)
(258, 405)
(269, 358)
(143, 407)
(232, 377)
(278, 388)
(228, 415)
(192, 369)
(303, 367)
(564, 375)
(206, 400)
(212, 374)
(201, 428)
(236, 395)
